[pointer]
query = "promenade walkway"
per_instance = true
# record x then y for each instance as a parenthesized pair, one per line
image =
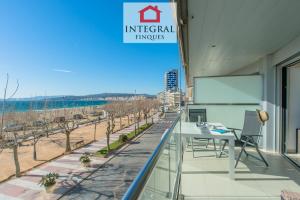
(69, 168)
(113, 179)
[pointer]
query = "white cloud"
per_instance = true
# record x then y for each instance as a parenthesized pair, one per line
(62, 70)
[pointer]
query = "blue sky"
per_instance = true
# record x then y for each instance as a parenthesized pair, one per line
(62, 47)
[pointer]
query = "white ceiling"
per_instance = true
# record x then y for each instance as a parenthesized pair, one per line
(242, 30)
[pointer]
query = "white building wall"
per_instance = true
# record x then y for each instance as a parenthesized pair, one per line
(267, 67)
(264, 66)
(253, 68)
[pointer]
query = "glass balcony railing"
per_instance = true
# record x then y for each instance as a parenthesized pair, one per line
(160, 177)
(201, 172)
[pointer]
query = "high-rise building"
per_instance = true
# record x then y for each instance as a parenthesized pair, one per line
(171, 80)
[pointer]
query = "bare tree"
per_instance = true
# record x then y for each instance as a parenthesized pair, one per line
(128, 110)
(36, 136)
(14, 136)
(16, 157)
(154, 106)
(95, 128)
(119, 110)
(111, 112)
(68, 124)
(14, 142)
(32, 122)
(47, 119)
(146, 107)
(109, 129)
(38, 126)
(139, 108)
(5, 98)
(95, 121)
(95, 118)
(21, 127)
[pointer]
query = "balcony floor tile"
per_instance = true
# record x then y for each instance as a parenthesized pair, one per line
(206, 177)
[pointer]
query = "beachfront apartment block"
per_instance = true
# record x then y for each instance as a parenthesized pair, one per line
(239, 56)
(171, 80)
(170, 98)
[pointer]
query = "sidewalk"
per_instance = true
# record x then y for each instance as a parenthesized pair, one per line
(68, 167)
(113, 179)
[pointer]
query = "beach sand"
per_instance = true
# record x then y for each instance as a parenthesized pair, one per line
(49, 148)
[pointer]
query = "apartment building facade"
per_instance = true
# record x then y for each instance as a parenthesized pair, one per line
(241, 40)
(171, 80)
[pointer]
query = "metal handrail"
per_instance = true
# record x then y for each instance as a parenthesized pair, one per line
(140, 181)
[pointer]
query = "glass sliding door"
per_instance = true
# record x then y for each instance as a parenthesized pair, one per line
(291, 112)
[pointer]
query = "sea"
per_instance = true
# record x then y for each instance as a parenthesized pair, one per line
(23, 106)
